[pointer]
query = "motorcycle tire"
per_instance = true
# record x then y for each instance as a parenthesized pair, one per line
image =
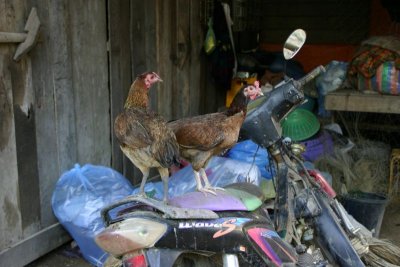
(197, 260)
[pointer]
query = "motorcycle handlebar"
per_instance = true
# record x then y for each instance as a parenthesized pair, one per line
(311, 75)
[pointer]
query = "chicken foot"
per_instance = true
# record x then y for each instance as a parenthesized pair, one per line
(207, 184)
(207, 188)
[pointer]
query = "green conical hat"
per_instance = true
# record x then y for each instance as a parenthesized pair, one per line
(300, 125)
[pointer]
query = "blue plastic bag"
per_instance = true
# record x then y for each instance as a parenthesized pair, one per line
(220, 172)
(77, 200)
(250, 152)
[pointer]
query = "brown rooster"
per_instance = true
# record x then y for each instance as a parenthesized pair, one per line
(143, 135)
(202, 137)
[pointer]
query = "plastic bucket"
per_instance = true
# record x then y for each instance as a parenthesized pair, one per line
(367, 208)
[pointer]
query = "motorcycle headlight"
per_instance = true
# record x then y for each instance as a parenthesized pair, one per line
(129, 235)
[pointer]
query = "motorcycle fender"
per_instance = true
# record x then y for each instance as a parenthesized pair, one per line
(332, 236)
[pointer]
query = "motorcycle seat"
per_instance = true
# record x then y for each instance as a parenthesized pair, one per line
(235, 197)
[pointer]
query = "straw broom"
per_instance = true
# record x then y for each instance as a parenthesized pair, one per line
(377, 252)
(373, 251)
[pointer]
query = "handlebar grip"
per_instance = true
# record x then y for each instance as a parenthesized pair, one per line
(311, 75)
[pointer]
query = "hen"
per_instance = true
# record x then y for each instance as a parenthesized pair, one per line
(202, 137)
(143, 135)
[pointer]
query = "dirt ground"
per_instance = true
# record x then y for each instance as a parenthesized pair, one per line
(68, 255)
(390, 228)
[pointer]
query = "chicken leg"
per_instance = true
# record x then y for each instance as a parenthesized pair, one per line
(164, 177)
(145, 174)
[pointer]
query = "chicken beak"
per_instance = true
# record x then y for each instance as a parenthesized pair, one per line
(157, 79)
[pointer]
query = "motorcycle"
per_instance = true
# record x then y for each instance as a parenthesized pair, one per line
(305, 226)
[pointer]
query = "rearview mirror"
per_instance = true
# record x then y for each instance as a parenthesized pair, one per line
(293, 43)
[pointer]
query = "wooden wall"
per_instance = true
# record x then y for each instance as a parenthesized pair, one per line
(58, 104)
(54, 112)
(164, 36)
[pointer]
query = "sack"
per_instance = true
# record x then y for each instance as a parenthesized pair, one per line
(376, 66)
(385, 80)
(77, 200)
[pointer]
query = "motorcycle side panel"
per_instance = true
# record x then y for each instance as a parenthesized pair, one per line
(230, 235)
(220, 235)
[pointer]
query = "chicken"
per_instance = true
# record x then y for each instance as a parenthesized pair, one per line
(144, 136)
(253, 90)
(202, 137)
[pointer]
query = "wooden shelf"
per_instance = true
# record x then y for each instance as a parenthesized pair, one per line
(356, 101)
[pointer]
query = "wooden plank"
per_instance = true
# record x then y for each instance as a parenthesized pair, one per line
(25, 139)
(164, 63)
(196, 77)
(10, 216)
(138, 44)
(29, 204)
(181, 45)
(88, 40)
(29, 249)
(19, 214)
(45, 114)
(144, 58)
(119, 66)
(352, 100)
(150, 49)
(62, 80)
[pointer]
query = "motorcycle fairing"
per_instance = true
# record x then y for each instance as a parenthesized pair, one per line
(262, 123)
(230, 235)
(277, 251)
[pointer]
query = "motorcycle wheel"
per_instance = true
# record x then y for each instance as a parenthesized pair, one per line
(112, 262)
